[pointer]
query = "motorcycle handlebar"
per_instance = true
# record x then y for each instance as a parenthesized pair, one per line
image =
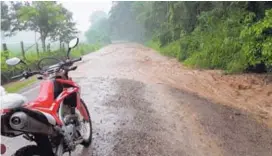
(28, 74)
(17, 76)
(25, 74)
(76, 60)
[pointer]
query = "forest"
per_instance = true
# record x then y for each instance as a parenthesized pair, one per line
(232, 36)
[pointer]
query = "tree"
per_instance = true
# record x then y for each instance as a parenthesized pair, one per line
(65, 30)
(235, 36)
(42, 17)
(9, 21)
(99, 31)
(97, 15)
(123, 23)
(5, 17)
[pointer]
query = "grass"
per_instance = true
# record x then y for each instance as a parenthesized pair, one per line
(18, 85)
(32, 57)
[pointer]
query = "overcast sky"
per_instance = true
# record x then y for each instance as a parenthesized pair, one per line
(82, 11)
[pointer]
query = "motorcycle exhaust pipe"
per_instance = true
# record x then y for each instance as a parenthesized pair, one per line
(20, 121)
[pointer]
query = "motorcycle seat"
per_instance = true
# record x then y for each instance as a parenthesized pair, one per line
(12, 100)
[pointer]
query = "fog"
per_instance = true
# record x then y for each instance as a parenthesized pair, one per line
(81, 13)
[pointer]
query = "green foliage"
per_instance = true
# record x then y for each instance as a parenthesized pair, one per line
(99, 32)
(171, 49)
(5, 17)
(83, 49)
(16, 86)
(234, 36)
(97, 15)
(48, 18)
(66, 29)
(238, 64)
(154, 44)
(258, 41)
(10, 23)
(215, 41)
(41, 15)
(32, 59)
(123, 23)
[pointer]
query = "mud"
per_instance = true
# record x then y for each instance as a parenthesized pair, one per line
(249, 92)
(142, 103)
(159, 107)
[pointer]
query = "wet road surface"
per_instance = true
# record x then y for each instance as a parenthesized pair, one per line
(136, 113)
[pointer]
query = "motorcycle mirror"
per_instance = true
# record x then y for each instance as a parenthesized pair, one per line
(13, 61)
(73, 43)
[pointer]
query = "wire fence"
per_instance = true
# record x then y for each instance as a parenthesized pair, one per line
(30, 52)
(22, 49)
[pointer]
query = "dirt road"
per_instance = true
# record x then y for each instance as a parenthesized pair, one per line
(142, 103)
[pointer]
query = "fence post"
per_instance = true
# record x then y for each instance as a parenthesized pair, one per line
(22, 49)
(5, 50)
(48, 47)
(37, 49)
(63, 47)
(60, 46)
(4, 45)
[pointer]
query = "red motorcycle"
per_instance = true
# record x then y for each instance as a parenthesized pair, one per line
(58, 120)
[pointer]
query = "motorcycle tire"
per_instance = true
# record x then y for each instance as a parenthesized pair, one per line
(30, 150)
(87, 142)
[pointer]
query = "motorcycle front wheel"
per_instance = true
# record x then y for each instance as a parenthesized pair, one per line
(86, 127)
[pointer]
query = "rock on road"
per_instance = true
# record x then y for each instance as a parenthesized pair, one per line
(135, 112)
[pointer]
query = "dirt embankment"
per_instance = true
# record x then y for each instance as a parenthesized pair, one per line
(250, 92)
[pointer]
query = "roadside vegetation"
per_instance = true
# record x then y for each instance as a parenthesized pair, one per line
(18, 85)
(31, 59)
(52, 22)
(232, 36)
(99, 31)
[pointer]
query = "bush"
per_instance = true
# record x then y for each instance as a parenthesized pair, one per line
(154, 44)
(215, 42)
(224, 40)
(238, 64)
(258, 41)
(83, 49)
(171, 49)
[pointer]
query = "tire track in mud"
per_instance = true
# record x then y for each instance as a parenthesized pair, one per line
(233, 130)
(124, 122)
(127, 125)
(132, 118)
